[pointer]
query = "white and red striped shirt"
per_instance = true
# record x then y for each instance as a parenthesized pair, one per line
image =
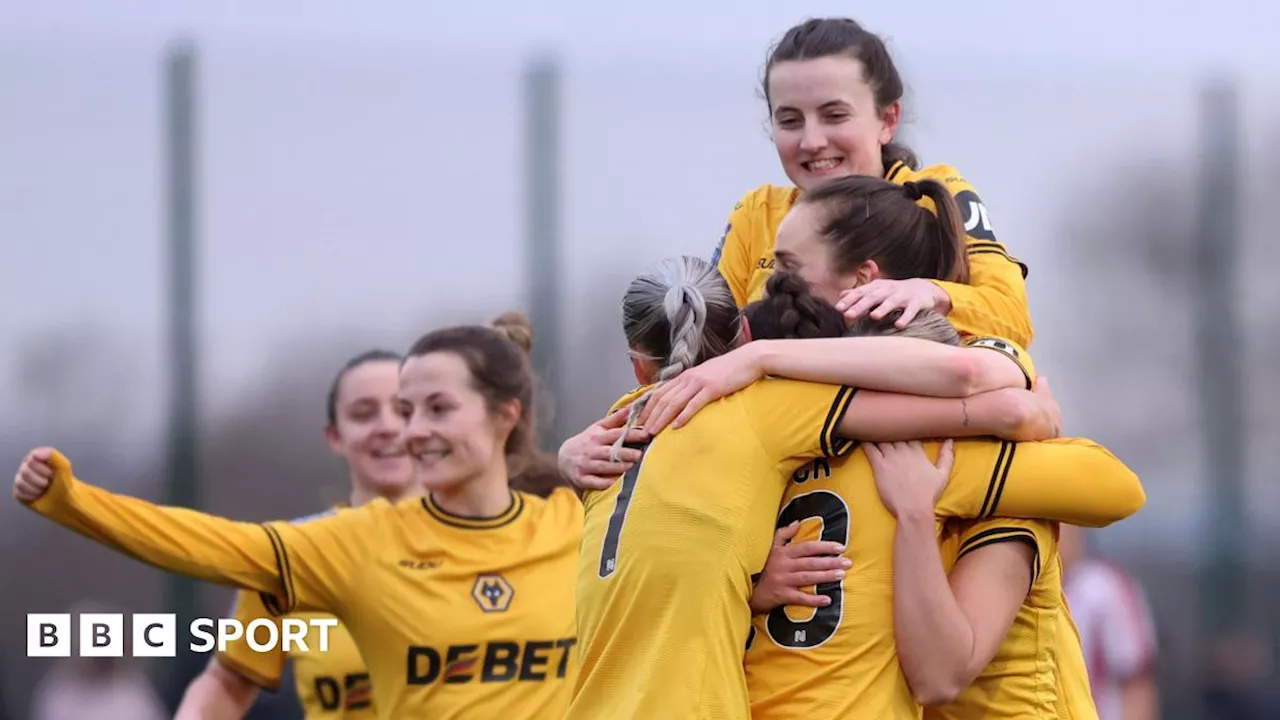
(1116, 629)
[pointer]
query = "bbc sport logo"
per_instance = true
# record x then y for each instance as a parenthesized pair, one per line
(156, 634)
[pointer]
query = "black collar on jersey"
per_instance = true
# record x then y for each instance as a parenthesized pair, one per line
(893, 170)
(468, 522)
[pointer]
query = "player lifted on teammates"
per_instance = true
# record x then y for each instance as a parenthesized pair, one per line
(835, 101)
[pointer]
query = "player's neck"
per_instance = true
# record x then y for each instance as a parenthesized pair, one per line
(486, 495)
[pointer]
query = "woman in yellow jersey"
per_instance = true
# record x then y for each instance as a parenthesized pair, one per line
(982, 626)
(461, 602)
(854, 670)
(668, 553)
(855, 230)
(835, 100)
(364, 428)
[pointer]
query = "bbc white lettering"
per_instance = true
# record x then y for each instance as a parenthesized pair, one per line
(155, 634)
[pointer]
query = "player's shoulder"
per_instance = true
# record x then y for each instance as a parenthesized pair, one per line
(766, 196)
(629, 397)
(772, 385)
(946, 174)
(312, 517)
(561, 509)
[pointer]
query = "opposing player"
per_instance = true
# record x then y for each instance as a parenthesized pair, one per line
(668, 552)
(364, 429)
(461, 603)
(835, 101)
(1116, 629)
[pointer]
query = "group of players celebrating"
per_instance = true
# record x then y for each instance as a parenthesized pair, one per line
(760, 530)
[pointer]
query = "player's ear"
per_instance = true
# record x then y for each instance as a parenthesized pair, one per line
(865, 273)
(641, 368)
(889, 118)
(332, 437)
(744, 336)
(509, 415)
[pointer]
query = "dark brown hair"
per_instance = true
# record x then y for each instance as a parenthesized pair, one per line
(789, 311)
(497, 356)
(331, 401)
(867, 218)
(828, 37)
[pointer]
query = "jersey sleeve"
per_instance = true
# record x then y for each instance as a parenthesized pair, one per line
(292, 565)
(1009, 349)
(1036, 534)
(798, 420)
(1071, 480)
(734, 254)
(263, 669)
(994, 302)
(1128, 638)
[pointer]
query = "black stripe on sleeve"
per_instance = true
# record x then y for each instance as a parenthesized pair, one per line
(995, 477)
(1004, 475)
(991, 251)
(984, 245)
(832, 445)
(896, 168)
(1005, 534)
(286, 576)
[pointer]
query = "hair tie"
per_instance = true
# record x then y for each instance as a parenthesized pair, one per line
(913, 190)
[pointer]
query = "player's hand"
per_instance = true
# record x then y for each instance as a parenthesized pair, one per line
(678, 400)
(34, 475)
(1036, 415)
(878, 298)
(908, 481)
(1050, 415)
(584, 458)
(791, 567)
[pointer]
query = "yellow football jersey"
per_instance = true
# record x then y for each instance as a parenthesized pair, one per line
(668, 553)
(1075, 695)
(841, 660)
(994, 302)
(457, 617)
(332, 683)
(1021, 681)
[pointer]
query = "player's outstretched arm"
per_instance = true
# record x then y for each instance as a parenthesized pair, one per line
(1011, 414)
(889, 364)
(1071, 480)
(947, 630)
(219, 693)
(291, 564)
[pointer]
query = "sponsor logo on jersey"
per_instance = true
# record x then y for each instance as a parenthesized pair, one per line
(497, 661)
(976, 222)
(351, 692)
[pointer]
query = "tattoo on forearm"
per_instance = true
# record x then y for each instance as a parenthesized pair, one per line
(964, 406)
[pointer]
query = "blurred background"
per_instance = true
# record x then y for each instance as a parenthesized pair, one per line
(205, 207)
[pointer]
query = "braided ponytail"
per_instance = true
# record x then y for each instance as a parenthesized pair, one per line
(679, 312)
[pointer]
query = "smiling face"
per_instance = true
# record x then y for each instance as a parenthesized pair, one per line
(802, 250)
(367, 428)
(825, 120)
(452, 434)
